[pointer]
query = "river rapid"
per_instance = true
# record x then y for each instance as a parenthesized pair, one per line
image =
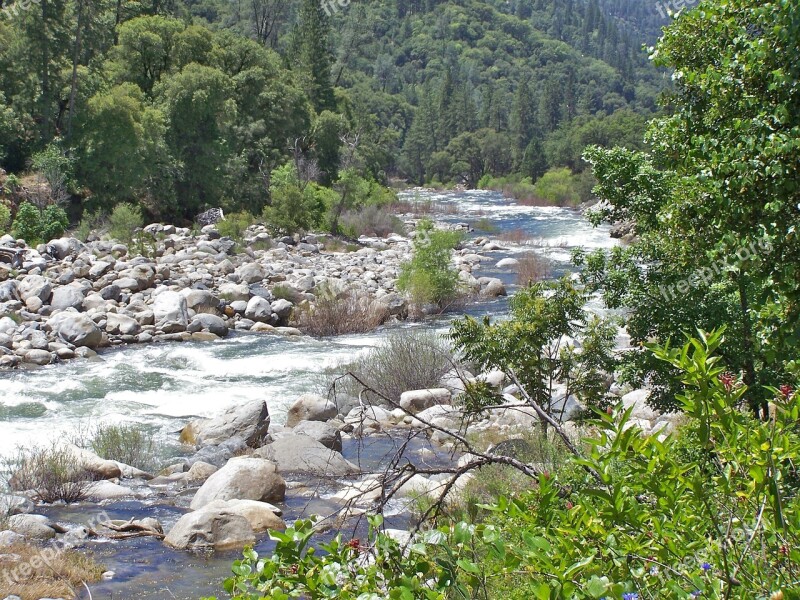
(162, 386)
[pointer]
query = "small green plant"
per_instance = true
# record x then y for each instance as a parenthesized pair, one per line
(35, 225)
(123, 222)
(130, 444)
(287, 292)
(5, 218)
(235, 225)
(429, 277)
(91, 221)
(485, 225)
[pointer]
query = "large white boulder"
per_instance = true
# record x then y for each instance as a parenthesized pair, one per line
(242, 479)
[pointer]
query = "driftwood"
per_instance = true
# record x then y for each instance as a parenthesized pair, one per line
(132, 529)
(13, 256)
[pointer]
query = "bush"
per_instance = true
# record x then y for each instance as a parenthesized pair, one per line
(559, 186)
(35, 225)
(234, 226)
(130, 444)
(5, 218)
(123, 222)
(52, 473)
(338, 312)
(429, 277)
(532, 268)
(405, 360)
(287, 292)
(295, 207)
(371, 220)
(91, 221)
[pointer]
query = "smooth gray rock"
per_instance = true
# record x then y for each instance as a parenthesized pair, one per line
(415, 401)
(212, 529)
(242, 479)
(211, 323)
(170, 312)
(297, 453)
(33, 527)
(78, 329)
(118, 324)
(310, 407)
(258, 309)
(35, 286)
(325, 434)
(67, 296)
(249, 422)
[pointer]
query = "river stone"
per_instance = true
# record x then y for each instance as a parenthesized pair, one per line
(325, 434)
(8, 291)
(211, 323)
(234, 291)
(507, 263)
(38, 357)
(261, 515)
(250, 273)
(10, 538)
(107, 490)
(415, 401)
(242, 479)
(221, 454)
(199, 300)
(79, 330)
(282, 308)
(98, 467)
(301, 454)
(637, 399)
(248, 421)
(200, 471)
(64, 247)
(492, 287)
(33, 527)
(15, 505)
(213, 529)
(310, 407)
(67, 296)
(35, 286)
(118, 324)
(258, 309)
(99, 268)
(170, 312)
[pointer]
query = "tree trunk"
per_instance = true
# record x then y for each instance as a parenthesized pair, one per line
(759, 407)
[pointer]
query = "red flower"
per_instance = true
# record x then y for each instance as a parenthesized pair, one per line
(569, 505)
(355, 544)
(726, 379)
(784, 549)
(786, 390)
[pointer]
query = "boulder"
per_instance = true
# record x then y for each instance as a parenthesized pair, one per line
(35, 286)
(200, 471)
(78, 329)
(213, 529)
(282, 308)
(258, 309)
(492, 287)
(98, 467)
(250, 273)
(199, 300)
(261, 515)
(506, 263)
(211, 323)
(170, 312)
(248, 421)
(8, 291)
(325, 434)
(15, 505)
(64, 247)
(33, 527)
(311, 407)
(107, 490)
(295, 453)
(118, 324)
(641, 410)
(38, 357)
(67, 296)
(242, 479)
(415, 401)
(98, 269)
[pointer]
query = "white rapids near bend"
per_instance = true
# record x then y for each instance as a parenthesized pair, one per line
(164, 385)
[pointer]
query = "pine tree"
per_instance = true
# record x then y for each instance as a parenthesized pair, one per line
(314, 56)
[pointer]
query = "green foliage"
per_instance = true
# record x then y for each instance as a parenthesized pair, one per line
(709, 512)
(90, 221)
(535, 348)
(35, 225)
(123, 222)
(130, 444)
(715, 202)
(558, 186)
(295, 205)
(234, 225)
(429, 277)
(5, 218)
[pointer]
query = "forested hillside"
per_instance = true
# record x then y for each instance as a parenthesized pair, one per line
(182, 105)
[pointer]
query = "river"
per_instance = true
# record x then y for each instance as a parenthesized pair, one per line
(162, 386)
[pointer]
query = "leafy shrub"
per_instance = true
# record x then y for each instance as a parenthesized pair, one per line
(429, 277)
(338, 312)
(5, 218)
(130, 444)
(293, 206)
(558, 186)
(90, 221)
(35, 225)
(235, 225)
(123, 222)
(52, 473)
(54, 169)
(404, 360)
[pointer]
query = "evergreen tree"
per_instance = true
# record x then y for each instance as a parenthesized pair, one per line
(314, 56)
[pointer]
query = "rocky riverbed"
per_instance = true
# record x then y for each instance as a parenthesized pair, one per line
(67, 298)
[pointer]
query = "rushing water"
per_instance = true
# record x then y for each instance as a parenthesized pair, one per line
(164, 385)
